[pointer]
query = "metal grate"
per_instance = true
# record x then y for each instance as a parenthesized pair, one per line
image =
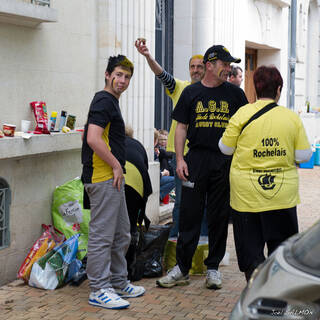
(4, 217)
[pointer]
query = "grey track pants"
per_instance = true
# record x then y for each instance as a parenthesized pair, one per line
(109, 236)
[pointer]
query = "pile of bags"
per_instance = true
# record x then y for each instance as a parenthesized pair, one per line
(51, 261)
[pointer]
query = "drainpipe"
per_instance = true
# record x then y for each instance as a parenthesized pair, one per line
(292, 53)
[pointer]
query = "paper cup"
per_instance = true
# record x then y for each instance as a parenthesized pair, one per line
(25, 125)
(8, 129)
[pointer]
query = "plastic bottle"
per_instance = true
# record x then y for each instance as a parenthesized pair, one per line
(63, 118)
(308, 106)
(71, 121)
(53, 120)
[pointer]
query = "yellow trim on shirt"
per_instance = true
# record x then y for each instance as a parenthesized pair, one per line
(175, 95)
(102, 171)
(133, 178)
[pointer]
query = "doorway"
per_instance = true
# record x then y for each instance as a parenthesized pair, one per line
(251, 66)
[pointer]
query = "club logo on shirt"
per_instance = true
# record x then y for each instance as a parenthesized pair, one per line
(267, 182)
(213, 115)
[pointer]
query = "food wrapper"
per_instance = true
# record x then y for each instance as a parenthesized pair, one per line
(39, 109)
(43, 245)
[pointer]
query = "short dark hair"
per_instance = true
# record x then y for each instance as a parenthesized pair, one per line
(234, 71)
(119, 61)
(266, 80)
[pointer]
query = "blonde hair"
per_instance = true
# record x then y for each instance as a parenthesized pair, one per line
(156, 135)
(196, 56)
(163, 131)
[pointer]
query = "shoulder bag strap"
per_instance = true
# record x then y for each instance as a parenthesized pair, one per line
(258, 114)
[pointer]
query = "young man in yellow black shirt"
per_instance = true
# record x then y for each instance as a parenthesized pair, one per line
(103, 159)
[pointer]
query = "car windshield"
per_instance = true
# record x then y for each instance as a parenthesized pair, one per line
(306, 250)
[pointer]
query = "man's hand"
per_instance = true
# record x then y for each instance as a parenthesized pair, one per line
(182, 170)
(97, 144)
(142, 48)
(117, 177)
(165, 172)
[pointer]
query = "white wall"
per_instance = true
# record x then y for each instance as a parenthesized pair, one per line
(183, 38)
(32, 181)
(312, 56)
(63, 64)
(119, 24)
(53, 63)
(200, 24)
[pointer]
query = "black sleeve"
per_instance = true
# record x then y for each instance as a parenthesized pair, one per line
(100, 113)
(181, 112)
(243, 99)
(164, 159)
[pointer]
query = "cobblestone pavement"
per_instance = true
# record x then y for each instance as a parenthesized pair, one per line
(19, 301)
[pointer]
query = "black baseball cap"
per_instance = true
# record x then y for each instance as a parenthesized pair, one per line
(219, 52)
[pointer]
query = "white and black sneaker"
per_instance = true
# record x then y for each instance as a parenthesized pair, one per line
(213, 279)
(107, 298)
(173, 278)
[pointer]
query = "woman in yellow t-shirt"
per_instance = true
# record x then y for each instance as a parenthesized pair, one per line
(263, 174)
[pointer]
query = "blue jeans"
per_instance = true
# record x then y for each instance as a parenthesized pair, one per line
(166, 185)
(175, 212)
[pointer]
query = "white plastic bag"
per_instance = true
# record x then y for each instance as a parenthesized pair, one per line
(49, 271)
(43, 278)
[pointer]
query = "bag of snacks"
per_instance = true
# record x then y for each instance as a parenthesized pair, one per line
(43, 245)
(39, 109)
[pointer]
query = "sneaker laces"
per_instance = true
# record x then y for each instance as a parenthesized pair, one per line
(175, 272)
(110, 292)
(211, 273)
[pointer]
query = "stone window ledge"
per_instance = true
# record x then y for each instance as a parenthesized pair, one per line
(26, 14)
(39, 144)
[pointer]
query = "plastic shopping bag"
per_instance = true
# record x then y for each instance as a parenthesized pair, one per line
(68, 214)
(49, 272)
(45, 243)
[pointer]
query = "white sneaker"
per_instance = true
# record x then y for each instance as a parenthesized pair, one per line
(107, 298)
(173, 278)
(213, 279)
(130, 291)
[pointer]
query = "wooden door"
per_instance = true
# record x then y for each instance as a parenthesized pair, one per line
(251, 66)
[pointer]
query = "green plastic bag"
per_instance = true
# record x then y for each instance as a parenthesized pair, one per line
(68, 214)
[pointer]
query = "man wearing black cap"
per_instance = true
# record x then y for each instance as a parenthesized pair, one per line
(203, 112)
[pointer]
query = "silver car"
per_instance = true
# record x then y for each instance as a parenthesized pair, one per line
(287, 284)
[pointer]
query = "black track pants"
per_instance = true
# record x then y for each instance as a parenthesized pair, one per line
(253, 230)
(210, 173)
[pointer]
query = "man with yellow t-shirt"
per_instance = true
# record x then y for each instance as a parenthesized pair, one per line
(174, 88)
(263, 175)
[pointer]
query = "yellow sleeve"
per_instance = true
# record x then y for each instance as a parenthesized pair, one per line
(175, 95)
(232, 132)
(302, 142)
